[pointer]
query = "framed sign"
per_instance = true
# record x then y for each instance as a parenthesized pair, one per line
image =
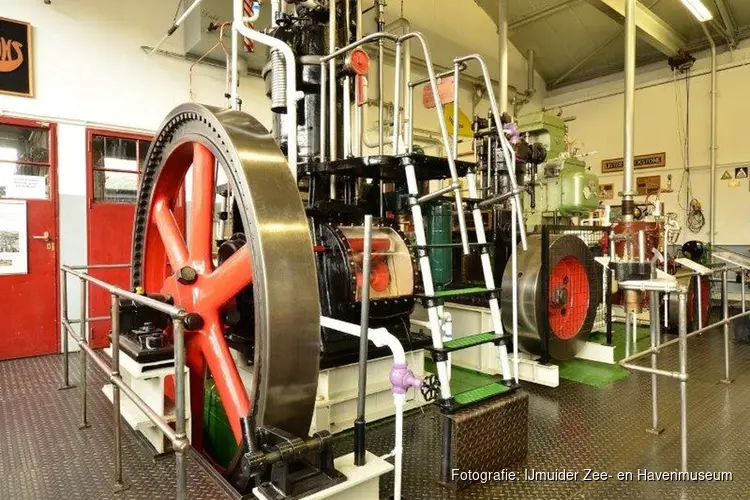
(654, 160)
(13, 238)
(16, 65)
(649, 184)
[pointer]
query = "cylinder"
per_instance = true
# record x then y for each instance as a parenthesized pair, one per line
(439, 232)
(574, 293)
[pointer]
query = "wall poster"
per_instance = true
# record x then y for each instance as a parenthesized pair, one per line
(16, 65)
(14, 252)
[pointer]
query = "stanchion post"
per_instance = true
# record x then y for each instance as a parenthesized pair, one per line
(119, 485)
(682, 309)
(84, 357)
(725, 314)
(65, 319)
(654, 328)
(179, 378)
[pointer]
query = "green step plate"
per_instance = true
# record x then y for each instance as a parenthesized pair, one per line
(458, 292)
(479, 394)
(471, 340)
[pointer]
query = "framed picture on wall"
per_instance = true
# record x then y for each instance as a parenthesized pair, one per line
(16, 64)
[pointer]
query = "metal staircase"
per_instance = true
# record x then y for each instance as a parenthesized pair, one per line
(432, 299)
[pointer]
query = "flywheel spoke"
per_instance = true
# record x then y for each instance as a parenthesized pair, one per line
(202, 207)
(230, 278)
(170, 233)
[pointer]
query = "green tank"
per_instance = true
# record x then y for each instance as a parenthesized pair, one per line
(440, 231)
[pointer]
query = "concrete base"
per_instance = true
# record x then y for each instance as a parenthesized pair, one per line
(362, 483)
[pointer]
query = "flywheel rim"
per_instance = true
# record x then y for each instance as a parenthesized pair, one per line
(279, 256)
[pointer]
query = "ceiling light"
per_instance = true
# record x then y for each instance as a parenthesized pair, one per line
(700, 11)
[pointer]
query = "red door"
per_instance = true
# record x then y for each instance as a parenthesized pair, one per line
(29, 272)
(114, 163)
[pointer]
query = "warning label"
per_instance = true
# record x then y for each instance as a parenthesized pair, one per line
(726, 175)
(740, 173)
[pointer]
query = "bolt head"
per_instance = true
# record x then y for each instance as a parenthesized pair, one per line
(187, 275)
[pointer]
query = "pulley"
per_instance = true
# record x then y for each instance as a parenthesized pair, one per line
(574, 293)
(273, 257)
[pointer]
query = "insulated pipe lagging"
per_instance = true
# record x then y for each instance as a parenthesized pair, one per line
(629, 132)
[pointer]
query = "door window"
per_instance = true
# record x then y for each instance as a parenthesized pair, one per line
(24, 162)
(116, 163)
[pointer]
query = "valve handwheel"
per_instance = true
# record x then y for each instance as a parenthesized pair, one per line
(430, 388)
(277, 261)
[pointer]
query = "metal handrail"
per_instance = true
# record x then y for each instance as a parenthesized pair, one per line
(176, 436)
(656, 347)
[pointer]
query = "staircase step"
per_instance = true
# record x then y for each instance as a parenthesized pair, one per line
(440, 296)
(467, 342)
(475, 396)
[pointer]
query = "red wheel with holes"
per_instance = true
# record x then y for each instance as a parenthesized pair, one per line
(276, 261)
(574, 292)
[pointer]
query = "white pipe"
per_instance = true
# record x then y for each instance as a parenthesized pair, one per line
(398, 451)
(291, 80)
(514, 285)
(712, 195)
(177, 23)
(405, 25)
(378, 336)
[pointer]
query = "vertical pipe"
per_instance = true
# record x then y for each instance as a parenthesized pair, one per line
(115, 315)
(381, 90)
(397, 99)
(742, 290)
(725, 313)
(180, 398)
(323, 96)
(398, 401)
(666, 255)
(608, 302)
(409, 126)
(641, 246)
(628, 170)
(712, 198)
(358, 123)
(445, 448)
(627, 333)
(544, 271)
(235, 69)
(359, 424)
(530, 77)
(347, 105)
(683, 381)
(514, 284)
(84, 357)
(635, 331)
(699, 297)
(502, 34)
(332, 104)
(66, 348)
(654, 331)
(456, 76)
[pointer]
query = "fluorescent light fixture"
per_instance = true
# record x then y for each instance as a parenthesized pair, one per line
(700, 11)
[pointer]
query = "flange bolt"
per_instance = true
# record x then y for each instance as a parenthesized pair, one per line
(187, 275)
(193, 321)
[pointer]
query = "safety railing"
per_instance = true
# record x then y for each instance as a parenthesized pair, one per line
(656, 287)
(177, 436)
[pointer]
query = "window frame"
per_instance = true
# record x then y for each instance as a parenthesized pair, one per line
(91, 169)
(51, 155)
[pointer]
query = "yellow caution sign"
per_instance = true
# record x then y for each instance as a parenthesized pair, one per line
(464, 123)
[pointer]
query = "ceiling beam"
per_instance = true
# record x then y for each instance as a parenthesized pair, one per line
(727, 18)
(650, 26)
(540, 14)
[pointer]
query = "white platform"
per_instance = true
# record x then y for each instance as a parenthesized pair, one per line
(470, 320)
(148, 381)
(362, 483)
(336, 402)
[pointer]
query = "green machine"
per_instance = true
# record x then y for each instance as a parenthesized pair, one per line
(563, 186)
(439, 216)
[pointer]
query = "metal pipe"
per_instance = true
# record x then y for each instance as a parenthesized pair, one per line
(725, 314)
(627, 334)
(641, 246)
(64, 315)
(323, 111)
(372, 37)
(176, 24)
(100, 266)
(654, 331)
(634, 317)
(444, 135)
(646, 369)
(90, 319)
(508, 152)
(396, 100)
(358, 119)
(683, 381)
(698, 295)
(409, 129)
(115, 310)
(332, 115)
(84, 364)
(629, 156)
(530, 76)
(178, 329)
(712, 188)
(381, 89)
(514, 287)
(404, 23)
(502, 34)
(291, 78)
(124, 294)
(359, 423)
(456, 95)
(742, 290)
